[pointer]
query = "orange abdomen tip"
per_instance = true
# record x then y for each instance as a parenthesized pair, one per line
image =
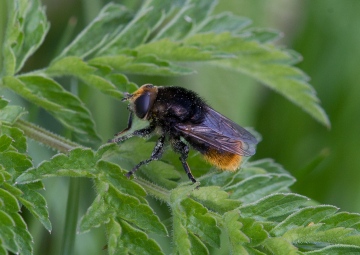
(223, 160)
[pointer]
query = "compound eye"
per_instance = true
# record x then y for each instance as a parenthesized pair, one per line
(142, 105)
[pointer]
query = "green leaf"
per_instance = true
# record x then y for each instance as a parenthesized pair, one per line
(190, 217)
(164, 174)
(17, 136)
(268, 65)
(110, 21)
(179, 51)
(64, 106)
(343, 219)
(12, 160)
(25, 31)
(254, 231)
(280, 246)
(36, 204)
(7, 237)
(192, 13)
(70, 65)
(273, 206)
(200, 222)
(13, 36)
(337, 250)
(4, 175)
(271, 67)
(160, 38)
(15, 237)
(108, 83)
(11, 113)
(96, 215)
(303, 217)
(5, 142)
(224, 22)
(145, 65)
(268, 164)
(11, 195)
(22, 236)
(247, 52)
(182, 243)
(150, 46)
(6, 219)
(125, 239)
(3, 103)
(121, 82)
(116, 199)
(161, 173)
(197, 246)
(132, 210)
(78, 163)
(113, 233)
(233, 228)
(263, 36)
(34, 29)
(215, 199)
(12, 163)
(264, 62)
(221, 179)
(313, 234)
(258, 186)
(111, 173)
(2, 249)
(137, 31)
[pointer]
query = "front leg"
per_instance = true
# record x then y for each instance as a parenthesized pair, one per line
(141, 133)
(155, 155)
(129, 124)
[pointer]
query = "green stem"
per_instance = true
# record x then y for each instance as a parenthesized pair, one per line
(72, 208)
(154, 190)
(45, 137)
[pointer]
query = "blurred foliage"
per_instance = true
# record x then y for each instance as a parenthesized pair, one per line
(324, 161)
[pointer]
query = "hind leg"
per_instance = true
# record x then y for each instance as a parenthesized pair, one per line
(181, 148)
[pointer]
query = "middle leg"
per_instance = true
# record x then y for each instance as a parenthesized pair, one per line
(155, 155)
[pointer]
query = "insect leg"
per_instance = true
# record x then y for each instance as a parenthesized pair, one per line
(141, 132)
(155, 155)
(129, 124)
(183, 149)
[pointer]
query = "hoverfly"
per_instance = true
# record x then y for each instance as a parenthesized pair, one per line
(175, 113)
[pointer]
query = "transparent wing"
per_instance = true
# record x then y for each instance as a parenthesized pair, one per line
(220, 132)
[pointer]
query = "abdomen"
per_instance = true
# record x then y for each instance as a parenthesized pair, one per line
(222, 159)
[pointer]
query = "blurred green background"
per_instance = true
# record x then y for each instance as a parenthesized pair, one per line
(325, 161)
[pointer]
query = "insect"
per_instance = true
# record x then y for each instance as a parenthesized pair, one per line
(180, 115)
